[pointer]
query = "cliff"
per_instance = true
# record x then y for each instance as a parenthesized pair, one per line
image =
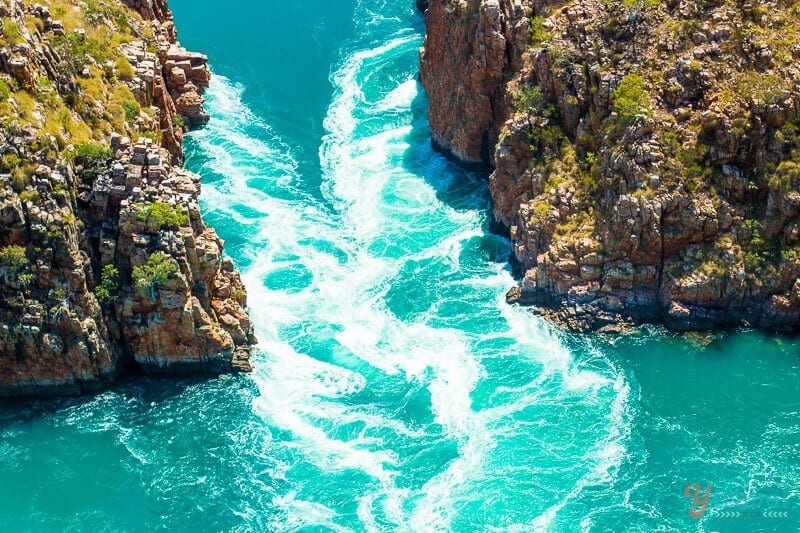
(106, 265)
(644, 155)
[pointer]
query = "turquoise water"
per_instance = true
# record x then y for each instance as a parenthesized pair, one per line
(395, 390)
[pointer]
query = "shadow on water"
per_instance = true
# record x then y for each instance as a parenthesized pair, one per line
(465, 190)
(137, 389)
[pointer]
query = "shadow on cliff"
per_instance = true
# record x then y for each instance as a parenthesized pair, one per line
(456, 187)
(460, 189)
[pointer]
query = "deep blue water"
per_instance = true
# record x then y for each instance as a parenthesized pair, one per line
(394, 389)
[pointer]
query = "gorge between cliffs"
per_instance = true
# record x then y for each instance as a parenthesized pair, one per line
(392, 387)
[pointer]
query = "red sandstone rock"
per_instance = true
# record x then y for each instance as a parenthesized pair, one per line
(619, 238)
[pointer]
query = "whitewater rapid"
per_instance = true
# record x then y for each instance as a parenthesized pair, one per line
(346, 341)
(394, 389)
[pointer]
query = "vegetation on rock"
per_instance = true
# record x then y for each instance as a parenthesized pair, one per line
(93, 98)
(162, 215)
(89, 153)
(631, 99)
(645, 154)
(109, 284)
(155, 272)
(13, 260)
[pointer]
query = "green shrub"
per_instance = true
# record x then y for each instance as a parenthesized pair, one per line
(91, 154)
(29, 196)
(546, 143)
(759, 252)
(13, 257)
(532, 99)
(713, 268)
(785, 176)
(13, 261)
(109, 284)
(539, 34)
(34, 24)
(10, 162)
(636, 7)
(21, 175)
(163, 215)
(158, 269)
(97, 12)
(767, 88)
(541, 211)
(76, 51)
(55, 232)
(131, 111)
(21, 171)
(641, 4)
(791, 254)
(125, 69)
(12, 32)
(5, 90)
(122, 23)
(631, 99)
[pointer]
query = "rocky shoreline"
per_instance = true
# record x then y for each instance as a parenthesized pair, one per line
(644, 156)
(106, 265)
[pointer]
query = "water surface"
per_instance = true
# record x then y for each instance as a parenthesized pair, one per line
(394, 389)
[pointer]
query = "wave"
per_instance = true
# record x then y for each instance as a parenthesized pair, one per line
(393, 387)
(339, 359)
(365, 177)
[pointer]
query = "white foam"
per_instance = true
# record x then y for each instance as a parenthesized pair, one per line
(606, 456)
(374, 201)
(400, 97)
(302, 513)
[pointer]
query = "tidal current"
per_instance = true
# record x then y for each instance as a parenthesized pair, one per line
(394, 390)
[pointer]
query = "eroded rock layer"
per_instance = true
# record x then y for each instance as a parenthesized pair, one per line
(645, 155)
(105, 262)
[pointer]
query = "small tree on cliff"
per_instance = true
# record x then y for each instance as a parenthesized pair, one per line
(93, 158)
(635, 9)
(158, 269)
(631, 99)
(109, 284)
(163, 215)
(13, 261)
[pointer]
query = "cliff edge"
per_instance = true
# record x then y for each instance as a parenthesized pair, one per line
(105, 262)
(645, 155)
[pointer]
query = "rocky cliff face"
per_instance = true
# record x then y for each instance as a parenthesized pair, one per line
(105, 262)
(469, 49)
(645, 155)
